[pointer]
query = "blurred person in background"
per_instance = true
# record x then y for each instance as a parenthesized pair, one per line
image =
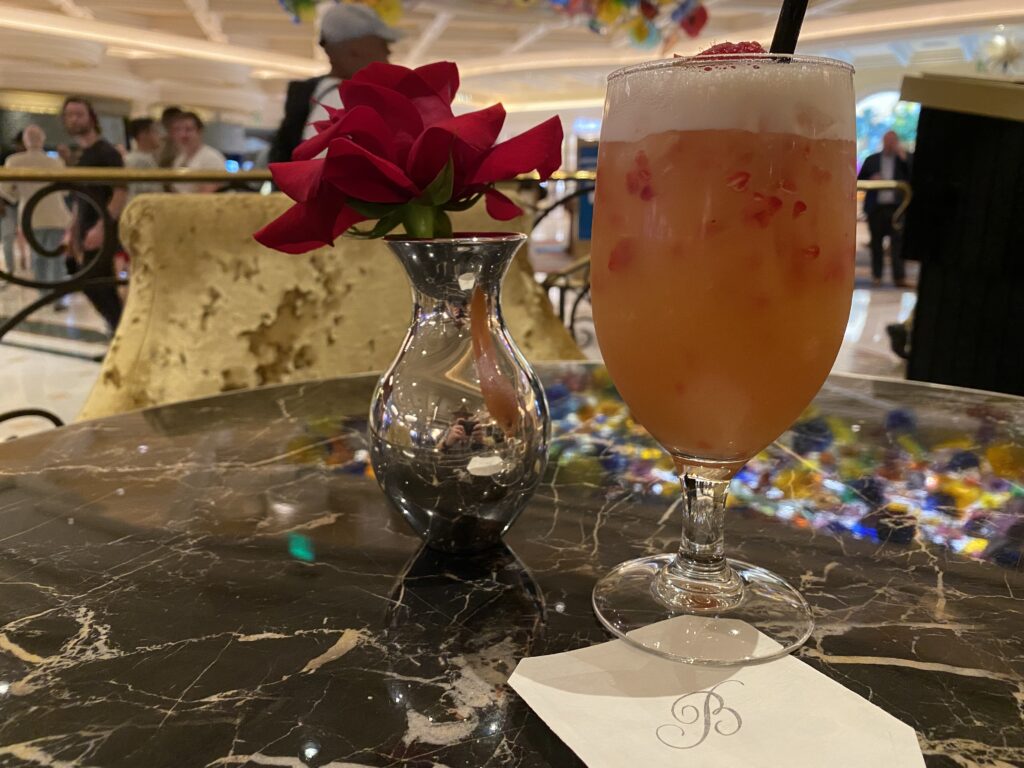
(194, 153)
(881, 204)
(9, 219)
(145, 138)
(85, 237)
(353, 37)
(165, 157)
(51, 217)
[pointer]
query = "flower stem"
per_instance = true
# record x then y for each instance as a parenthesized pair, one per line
(419, 220)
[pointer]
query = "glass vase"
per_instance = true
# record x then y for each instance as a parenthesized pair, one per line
(459, 424)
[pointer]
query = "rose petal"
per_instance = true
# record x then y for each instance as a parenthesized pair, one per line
(395, 109)
(314, 145)
(539, 149)
(429, 154)
(309, 225)
(361, 124)
(299, 180)
(301, 228)
(500, 207)
(443, 77)
(362, 175)
(381, 73)
(464, 138)
(432, 95)
(345, 220)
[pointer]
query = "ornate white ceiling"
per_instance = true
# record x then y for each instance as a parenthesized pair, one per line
(236, 53)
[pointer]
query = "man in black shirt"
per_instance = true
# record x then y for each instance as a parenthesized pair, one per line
(891, 164)
(353, 37)
(81, 122)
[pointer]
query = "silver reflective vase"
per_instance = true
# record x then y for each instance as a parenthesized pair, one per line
(459, 424)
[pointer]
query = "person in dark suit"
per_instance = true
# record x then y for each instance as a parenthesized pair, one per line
(880, 205)
(353, 37)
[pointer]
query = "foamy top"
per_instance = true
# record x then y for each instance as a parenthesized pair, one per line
(805, 97)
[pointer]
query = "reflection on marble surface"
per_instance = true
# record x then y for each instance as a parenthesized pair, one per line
(221, 583)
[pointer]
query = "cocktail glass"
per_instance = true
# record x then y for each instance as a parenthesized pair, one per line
(722, 272)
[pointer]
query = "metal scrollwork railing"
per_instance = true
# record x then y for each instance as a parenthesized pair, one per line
(83, 278)
(900, 186)
(73, 182)
(571, 284)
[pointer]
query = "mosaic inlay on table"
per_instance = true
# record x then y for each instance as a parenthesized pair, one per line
(222, 583)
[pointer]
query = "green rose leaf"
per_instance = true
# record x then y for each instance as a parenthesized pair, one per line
(418, 220)
(439, 191)
(442, 224)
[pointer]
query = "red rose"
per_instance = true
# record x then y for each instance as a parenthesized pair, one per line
(397, 154)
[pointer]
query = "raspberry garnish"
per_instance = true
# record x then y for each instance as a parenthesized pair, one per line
(725, 49)
(638, 180)
(799, 207)
(765, 209)
(738, 181)
(620, 256)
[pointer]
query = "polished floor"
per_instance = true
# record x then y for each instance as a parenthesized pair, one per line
(53, 358)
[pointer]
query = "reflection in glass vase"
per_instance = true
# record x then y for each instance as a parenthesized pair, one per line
(459, 424)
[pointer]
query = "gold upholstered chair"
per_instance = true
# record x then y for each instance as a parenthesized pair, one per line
(210, 310)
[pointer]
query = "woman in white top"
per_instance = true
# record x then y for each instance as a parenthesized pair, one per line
(187, 135)
(51, 217)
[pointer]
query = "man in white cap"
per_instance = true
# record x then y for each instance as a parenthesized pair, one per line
(353, 36)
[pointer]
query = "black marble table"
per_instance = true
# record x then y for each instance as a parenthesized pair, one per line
(221, 583)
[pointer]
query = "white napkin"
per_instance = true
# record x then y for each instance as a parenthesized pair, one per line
(616, 706)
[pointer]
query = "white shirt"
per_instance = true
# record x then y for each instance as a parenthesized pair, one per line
(326, 93)
(51, 213)
(888, 172)
(206, 158)
(143, 161)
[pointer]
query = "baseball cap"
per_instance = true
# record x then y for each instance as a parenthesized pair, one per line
(348, 21)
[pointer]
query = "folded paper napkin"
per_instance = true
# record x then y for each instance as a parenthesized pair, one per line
(616, 705)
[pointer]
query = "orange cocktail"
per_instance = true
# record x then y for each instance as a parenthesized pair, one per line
(721, 276)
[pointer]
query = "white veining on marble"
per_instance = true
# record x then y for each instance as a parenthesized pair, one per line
(349, 639)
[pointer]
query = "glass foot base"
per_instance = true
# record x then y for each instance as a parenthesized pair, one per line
(768, 620)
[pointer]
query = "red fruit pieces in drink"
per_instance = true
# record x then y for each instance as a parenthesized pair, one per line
(738, 181)
(764, 209)
(811, 252)
(638, 180)
(621, 256)
(820, 175)
(788, 186)
(799, 207)
(725, 49)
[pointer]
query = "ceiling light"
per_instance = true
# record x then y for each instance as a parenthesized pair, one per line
(155, 43)
(117, 52)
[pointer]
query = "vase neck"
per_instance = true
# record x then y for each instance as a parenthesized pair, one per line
(450, 270)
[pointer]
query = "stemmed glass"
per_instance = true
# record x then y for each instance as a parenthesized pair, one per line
(723, 259)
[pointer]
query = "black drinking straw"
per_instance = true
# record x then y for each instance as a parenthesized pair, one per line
(788, 29)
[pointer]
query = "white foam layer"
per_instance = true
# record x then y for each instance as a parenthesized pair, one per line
(806, 99)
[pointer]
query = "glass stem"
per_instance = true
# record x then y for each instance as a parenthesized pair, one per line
(699, 577)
